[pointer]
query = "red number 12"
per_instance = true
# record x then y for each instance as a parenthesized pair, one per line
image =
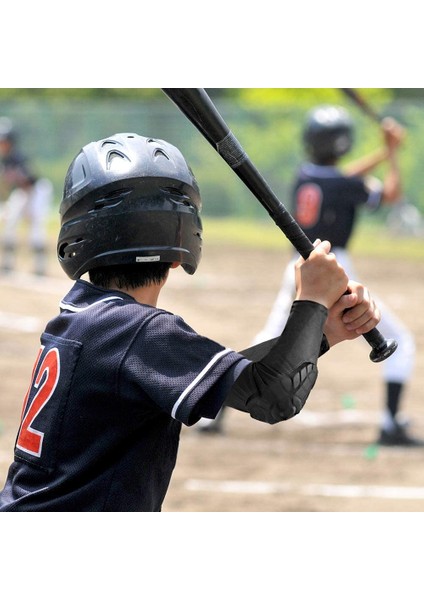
(30, 440)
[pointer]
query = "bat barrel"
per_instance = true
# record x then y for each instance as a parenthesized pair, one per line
(360, 101)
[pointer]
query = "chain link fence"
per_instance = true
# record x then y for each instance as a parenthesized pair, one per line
(51, 132)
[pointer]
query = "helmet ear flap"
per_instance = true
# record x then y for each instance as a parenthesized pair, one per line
(129, 199)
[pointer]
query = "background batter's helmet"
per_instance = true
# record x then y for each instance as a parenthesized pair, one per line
(328, 133)
(7, 130)
(129, 199)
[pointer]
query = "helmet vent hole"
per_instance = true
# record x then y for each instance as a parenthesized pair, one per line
(173, 191)
(109, 143)
(62, 250)
(180, 196)
(110, 200)
(117, 193)
(158, 153)
(113, 155)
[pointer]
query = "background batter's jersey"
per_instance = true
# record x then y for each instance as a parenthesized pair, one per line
(325, 202)
(112, 383)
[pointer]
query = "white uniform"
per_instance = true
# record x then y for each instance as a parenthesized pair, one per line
(32, 205)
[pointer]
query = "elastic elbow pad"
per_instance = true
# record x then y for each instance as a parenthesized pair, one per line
(276, 387)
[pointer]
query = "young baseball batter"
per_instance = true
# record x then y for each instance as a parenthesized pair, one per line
(116, 376)
(326, 202)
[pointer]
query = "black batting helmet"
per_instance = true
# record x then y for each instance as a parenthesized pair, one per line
(328, 133)
(129, 199)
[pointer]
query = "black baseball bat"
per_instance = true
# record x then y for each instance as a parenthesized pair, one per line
(363, 104)
(197, 106)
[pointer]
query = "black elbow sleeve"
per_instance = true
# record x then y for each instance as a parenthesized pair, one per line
(276, 387)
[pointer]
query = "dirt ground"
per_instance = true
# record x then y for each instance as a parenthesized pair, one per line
(324, 460)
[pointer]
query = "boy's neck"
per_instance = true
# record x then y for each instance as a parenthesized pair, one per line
(148, 294)
(144, 295)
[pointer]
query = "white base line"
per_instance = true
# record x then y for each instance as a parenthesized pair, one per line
(41, 285)
(23, 323)
(313, 489)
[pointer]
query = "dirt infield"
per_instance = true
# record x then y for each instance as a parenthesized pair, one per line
(323, 460)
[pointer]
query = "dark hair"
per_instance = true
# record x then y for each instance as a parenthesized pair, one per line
(129, 276)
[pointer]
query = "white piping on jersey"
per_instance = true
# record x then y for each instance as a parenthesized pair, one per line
(76, 309)
(199, 377)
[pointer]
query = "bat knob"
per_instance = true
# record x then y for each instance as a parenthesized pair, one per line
(383, 351)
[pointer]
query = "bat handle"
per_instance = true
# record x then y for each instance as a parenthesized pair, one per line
(382, 348)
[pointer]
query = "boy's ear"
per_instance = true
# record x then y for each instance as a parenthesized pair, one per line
(175, 264)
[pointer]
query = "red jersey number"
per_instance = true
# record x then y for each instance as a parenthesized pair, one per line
(308, 205)
(29, 439)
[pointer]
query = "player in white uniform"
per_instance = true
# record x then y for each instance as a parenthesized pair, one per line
(29, 198)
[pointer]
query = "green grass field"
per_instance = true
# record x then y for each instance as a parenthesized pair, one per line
(370, 239)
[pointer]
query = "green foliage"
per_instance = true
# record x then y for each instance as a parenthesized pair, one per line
(79, 93)
(305, 98)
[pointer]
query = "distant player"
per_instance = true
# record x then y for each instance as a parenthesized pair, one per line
(29, 198)
(326, 201)
(116, 376)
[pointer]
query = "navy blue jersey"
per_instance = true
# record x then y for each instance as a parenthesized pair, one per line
(15, 170)
(113, 382)
(325, 202)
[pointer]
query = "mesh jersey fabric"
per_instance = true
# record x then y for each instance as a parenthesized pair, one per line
(122, 378)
